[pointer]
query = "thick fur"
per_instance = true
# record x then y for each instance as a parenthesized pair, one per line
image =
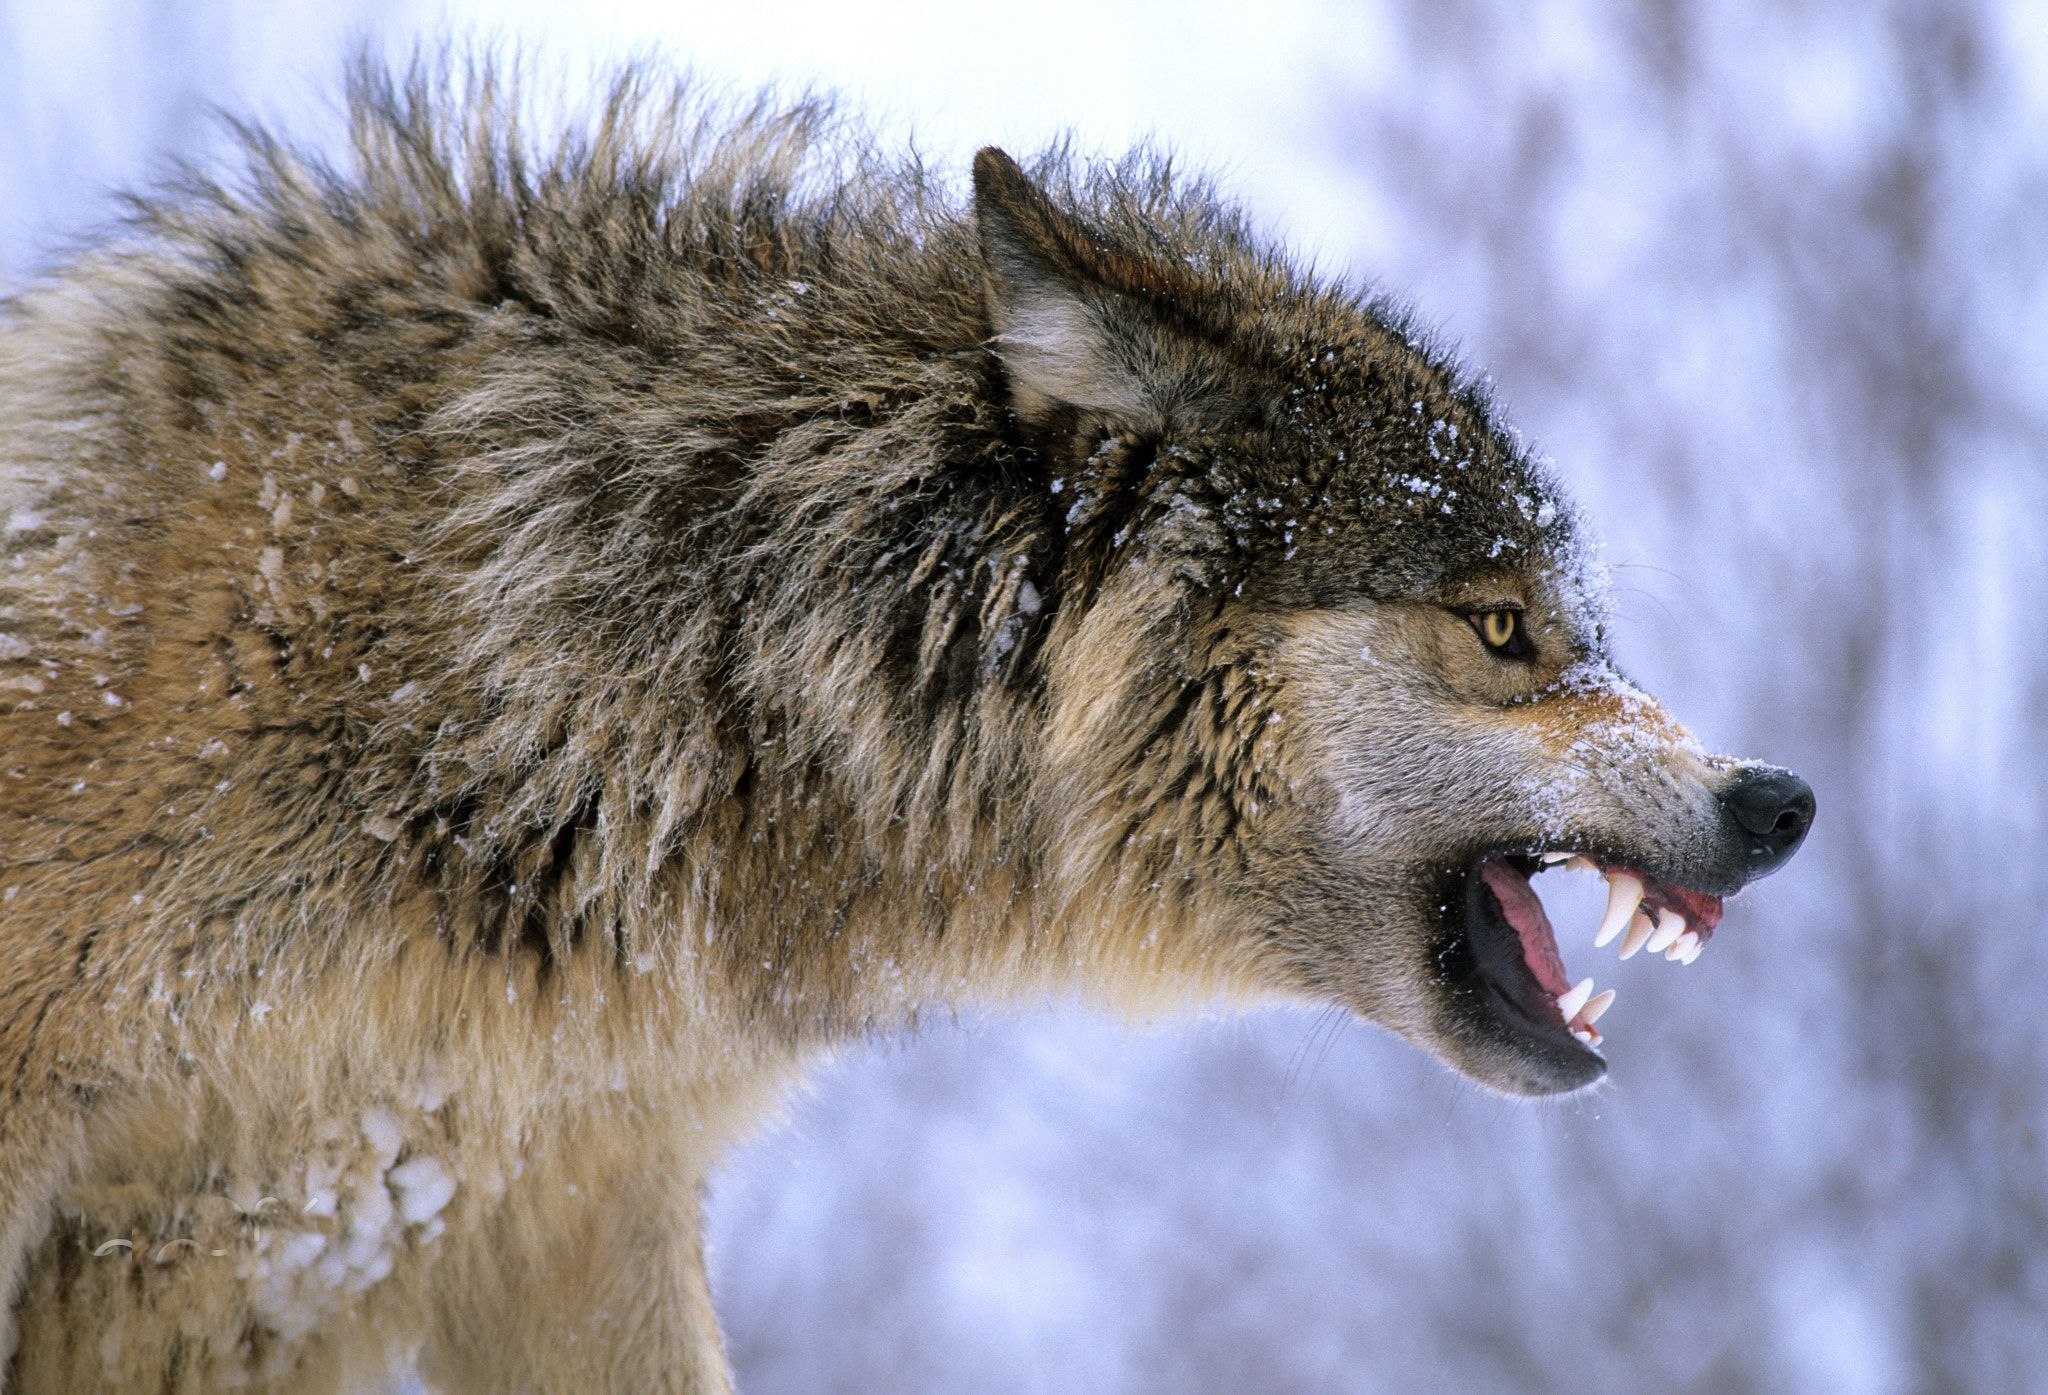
(511, 647)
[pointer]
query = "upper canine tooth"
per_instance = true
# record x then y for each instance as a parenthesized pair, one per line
(1670, 925)
(1570, 1003)
(1639, 932)
(1624, 894)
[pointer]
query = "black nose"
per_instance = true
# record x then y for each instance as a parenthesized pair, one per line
(1774, 808)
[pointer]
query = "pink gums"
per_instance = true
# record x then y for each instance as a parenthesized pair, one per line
(1702, 912)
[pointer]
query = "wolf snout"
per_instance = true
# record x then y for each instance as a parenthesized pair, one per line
(1773, 808)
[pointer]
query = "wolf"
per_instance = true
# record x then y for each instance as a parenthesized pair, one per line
(514, 645)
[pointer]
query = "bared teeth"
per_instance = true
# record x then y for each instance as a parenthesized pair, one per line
(1585, 1035)
(1552, 858)
(1624, 894)
(1595, 1006)
(1660, 930)
(1639, 931)
(1670, 925)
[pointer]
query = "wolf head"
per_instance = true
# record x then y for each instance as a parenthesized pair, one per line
(1333, 652)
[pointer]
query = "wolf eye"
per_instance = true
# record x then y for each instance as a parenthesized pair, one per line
(1504, 633)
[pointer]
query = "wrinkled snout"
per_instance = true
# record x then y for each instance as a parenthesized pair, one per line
(1770, 810)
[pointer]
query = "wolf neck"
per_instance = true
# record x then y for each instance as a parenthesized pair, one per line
(845, 810)
(843, 632)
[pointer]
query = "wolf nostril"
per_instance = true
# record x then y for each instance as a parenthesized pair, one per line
(1774, 807)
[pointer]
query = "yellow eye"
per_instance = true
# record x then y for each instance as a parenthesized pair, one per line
(1504, 633)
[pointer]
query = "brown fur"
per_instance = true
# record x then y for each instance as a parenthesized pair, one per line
(511, 651)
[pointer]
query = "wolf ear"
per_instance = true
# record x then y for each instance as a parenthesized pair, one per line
(1067, 332)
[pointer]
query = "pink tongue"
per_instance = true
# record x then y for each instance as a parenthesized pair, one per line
(1519, 903)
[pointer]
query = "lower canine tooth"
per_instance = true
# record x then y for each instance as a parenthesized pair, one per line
(1570, 1003)
(1670, 925)
(1639, 931)
(1595, 1006)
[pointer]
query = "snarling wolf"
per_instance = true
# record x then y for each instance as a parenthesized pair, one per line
(513, 647)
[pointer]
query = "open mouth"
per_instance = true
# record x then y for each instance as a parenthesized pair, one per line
(1516, 951)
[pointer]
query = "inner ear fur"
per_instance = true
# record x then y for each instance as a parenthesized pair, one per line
(1076, 320)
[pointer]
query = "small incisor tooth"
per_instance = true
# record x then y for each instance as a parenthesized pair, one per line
(1639, 931)
(1595, 1006)
(1624, 894)
(1681, 947)
(1570, 1002)
(1670, 925)
(1694, 952)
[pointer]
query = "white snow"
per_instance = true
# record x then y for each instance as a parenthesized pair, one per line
(424, 1186)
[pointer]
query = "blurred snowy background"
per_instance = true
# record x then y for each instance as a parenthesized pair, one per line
(1770, 280)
